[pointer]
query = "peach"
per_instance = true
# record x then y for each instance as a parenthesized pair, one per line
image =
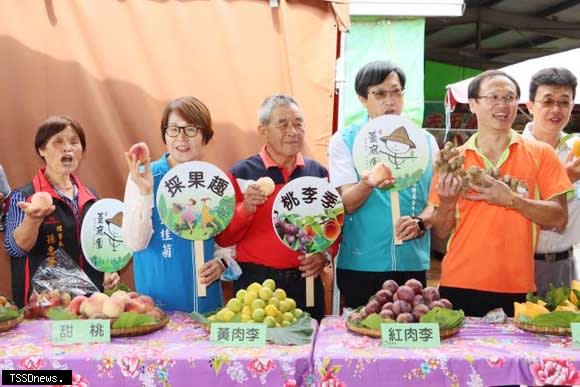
(266, 184)
(41, 200)
(135, 306)
(65, 298)
(379, 173)
(120, 295)
(148, 302)
(112, 308)
(133, 294)
(140, 150)
(93, 308)
(75, 304)
(155, 313)
(83, 307)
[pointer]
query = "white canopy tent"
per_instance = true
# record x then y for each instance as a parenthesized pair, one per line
(522, 72)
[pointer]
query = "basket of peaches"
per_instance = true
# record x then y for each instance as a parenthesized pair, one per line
(130, 313)
(408, 303)
(10, 316)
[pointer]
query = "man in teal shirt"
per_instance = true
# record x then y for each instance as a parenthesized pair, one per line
(368, 255)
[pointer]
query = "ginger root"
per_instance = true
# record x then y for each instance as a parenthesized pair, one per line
(449, 160)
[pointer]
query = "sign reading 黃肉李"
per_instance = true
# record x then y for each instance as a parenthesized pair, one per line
(417, 335)
(238, 335)
(81, 331)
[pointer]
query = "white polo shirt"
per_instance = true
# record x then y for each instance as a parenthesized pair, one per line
(554, 242)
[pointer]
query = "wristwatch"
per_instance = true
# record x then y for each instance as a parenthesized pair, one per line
(420, 224)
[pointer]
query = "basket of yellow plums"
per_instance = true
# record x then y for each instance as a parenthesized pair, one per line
(260, 303)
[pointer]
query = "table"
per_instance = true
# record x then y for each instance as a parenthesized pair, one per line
(178, 355)
(479, 355)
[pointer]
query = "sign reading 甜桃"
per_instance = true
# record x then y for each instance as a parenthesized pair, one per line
(196, 201)
(397, 142)
(81, 331)
(307, 216)
(101, 238)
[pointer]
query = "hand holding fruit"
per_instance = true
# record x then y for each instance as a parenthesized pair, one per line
(111, 280)
(311, 265)
(40, 206)
(211, 271)
(498, 193)
(449, 188)
(379, 176)
(139, 164)
(266, 184)
(254, 197)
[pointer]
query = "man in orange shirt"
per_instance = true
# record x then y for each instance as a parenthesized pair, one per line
(493, 231)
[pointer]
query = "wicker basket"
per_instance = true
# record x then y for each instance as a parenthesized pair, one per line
(443, 333)
(543, 330)
(9, 324)
(139, 331)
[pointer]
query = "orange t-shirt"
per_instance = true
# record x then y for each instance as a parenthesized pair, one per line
(492, 247)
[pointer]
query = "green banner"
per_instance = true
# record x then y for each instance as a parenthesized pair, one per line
(400, 41)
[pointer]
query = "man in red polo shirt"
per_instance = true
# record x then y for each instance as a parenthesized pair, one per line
(259, 252)
(493, 231)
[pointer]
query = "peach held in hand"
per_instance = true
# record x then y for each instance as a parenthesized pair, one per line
(266, 185)
(140, 150)
(379, 173)
(40, 201)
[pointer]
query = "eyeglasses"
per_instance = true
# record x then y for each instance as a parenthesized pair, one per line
(550, 103)
(381, 94)
(494, 99)
(188, 130)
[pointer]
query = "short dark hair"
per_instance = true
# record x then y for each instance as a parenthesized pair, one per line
(54, 125)
(475, 84)
(374, 73)
(553, 76)
(193, 111)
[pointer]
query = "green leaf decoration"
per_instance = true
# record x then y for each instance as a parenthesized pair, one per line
(446, 318)
(577, 293)
(372, 321)
(555, 296)
(132, 320)
(299, 333)
(119, 286)
(58, 313)
(557, 319)
(532, 298)
(8, 313)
